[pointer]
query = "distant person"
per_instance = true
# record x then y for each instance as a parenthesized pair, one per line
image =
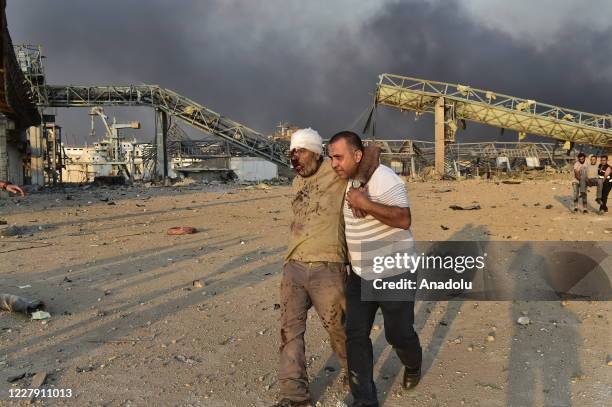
(605, 178)
(579, 182)
(15, 189)
(592, 168)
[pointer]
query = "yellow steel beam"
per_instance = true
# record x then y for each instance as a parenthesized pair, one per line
(496, 109)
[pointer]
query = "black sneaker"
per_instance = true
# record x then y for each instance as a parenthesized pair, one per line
(575, 209)
(360, 404)
(585, 211)
(412, 377)
(291, 403)
(598, 200)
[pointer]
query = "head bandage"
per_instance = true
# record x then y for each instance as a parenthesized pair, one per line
(308, 139)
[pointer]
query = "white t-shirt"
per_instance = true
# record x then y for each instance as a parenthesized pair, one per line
(368, 237)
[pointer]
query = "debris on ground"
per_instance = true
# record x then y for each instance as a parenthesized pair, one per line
(12, 231)
(523, 321)
(14, 303)
(182, 230)
(14, 378)
(444, 227)
(465, 208)
(511, 182)
(39, 315)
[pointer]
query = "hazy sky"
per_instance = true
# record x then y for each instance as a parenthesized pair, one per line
(316, 63)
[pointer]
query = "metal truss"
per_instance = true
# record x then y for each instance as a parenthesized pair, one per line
(175, 105)
(508, 112)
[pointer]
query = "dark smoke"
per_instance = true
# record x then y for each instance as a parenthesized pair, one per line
(224, 55)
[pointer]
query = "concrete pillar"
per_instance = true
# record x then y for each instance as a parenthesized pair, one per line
(161, 139)
(36, 163)
(439, 138)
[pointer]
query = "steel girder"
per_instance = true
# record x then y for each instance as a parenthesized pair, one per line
(495, 109)
(174, 104)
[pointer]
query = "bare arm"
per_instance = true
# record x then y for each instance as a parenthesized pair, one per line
(393, 216)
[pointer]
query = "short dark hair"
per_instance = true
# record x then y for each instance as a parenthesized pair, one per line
(351, 138)
(603, 156)
(581, 155)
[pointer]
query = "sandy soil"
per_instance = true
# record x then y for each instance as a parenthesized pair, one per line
(129, 328)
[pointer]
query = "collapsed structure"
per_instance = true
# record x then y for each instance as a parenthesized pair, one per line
(454, 104)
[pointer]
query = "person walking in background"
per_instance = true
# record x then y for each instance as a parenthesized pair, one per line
(579, 181)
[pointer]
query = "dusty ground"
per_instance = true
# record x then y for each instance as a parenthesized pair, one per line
(129, 328)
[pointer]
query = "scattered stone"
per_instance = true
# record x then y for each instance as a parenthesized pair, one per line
(14, 378)
(564, 303)
(549, 206)
(465, 208)
(197, 284)
(608, 230)
(609, 360)
(40, 315)
(12, 231)
(578, 377)
(491, 337)
(182, 230)
(38, 380)
(523, 321)
(185, 359)
(458, 340)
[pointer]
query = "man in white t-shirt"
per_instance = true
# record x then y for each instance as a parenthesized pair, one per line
(386, 224)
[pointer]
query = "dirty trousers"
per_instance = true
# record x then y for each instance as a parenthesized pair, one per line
(303, 285)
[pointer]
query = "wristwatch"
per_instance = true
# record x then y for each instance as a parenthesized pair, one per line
(357, 184)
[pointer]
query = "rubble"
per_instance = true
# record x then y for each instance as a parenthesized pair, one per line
(465, 208)
(181, 230)
(523, 321)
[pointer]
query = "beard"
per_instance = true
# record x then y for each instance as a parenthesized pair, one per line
(306, 167)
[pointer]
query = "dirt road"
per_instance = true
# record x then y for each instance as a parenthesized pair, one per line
(130, 327)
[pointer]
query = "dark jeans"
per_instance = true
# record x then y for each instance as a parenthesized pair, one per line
(607, 186)
(399, 332)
